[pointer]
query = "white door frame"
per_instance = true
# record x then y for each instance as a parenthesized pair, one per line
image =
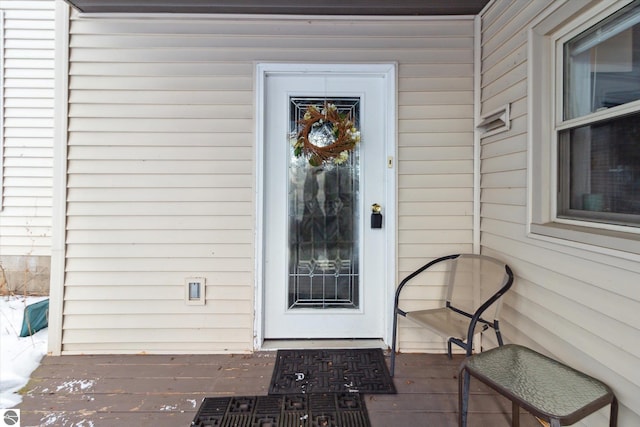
(388, 72)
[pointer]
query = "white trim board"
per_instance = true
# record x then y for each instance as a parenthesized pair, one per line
(59, 212)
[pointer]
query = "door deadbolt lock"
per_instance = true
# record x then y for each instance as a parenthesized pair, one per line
(376, 216)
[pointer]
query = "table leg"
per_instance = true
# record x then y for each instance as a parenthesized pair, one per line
(613, 418)
(463, 397)
(515, 414)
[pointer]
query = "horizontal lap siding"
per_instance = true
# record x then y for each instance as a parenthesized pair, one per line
(435, 175)
(162, 159)
(160, 188)
(25, 215)
(574, 305)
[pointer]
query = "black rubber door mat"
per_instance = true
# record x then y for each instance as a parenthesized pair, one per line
(331, 371)
(304, 410)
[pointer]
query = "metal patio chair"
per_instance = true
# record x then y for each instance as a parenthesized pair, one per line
(473, 285)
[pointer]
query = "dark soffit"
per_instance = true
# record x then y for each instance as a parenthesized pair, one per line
(286, 7)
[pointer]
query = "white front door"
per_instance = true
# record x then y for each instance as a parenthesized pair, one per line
(325, 267)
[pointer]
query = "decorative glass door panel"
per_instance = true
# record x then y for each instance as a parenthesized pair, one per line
(323, 215)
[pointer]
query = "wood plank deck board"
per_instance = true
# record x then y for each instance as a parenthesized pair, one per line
(164, 390)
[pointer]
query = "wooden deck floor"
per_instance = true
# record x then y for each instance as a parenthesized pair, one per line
(156, 390)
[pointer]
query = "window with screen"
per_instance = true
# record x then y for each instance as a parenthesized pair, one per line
(598, 128)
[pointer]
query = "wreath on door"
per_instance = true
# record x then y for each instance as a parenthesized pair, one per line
(337, 132)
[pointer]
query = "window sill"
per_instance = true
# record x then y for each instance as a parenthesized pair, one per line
(596, 239)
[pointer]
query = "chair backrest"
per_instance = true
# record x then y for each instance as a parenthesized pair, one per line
(477, 282)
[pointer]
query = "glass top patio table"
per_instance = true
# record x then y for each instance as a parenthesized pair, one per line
(545, 387)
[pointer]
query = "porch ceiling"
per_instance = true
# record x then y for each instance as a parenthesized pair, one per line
(287, 7)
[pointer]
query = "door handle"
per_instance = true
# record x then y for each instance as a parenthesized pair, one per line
(376, 216)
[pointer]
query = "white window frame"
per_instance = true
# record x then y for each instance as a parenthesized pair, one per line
(561, 21)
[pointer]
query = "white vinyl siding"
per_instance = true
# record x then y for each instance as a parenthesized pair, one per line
(161, 166)
(27, 143)
(576, 305)
(435, 177)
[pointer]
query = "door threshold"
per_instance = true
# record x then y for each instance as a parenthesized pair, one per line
(302, 344)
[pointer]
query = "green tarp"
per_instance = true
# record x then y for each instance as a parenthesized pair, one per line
(36, 317)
